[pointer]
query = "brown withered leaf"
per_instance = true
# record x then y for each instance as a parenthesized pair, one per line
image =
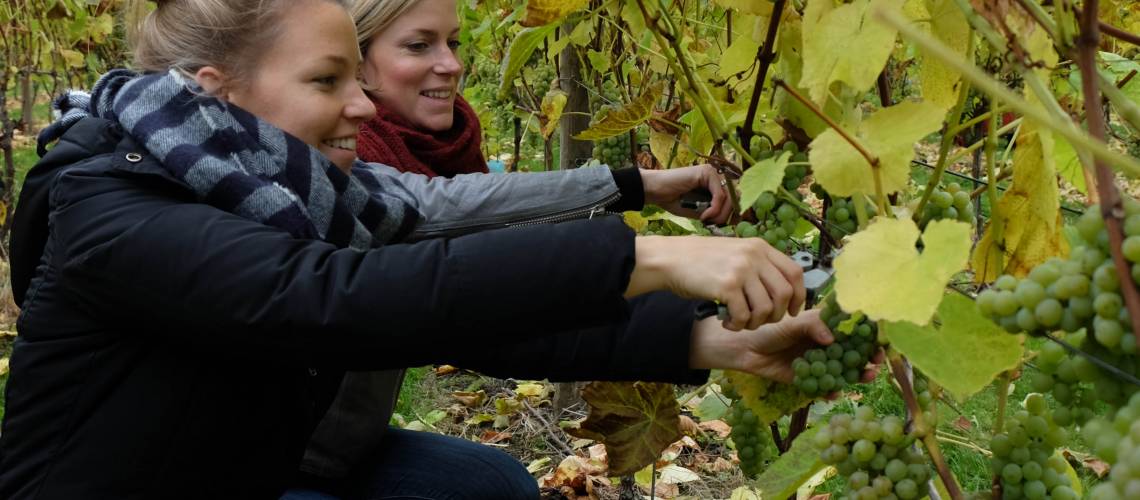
(489, 437)
(721, 429)
(645, 160)
(962, 423)
(688, 426)
(470, 399)
(666, 121)
(1090, 462)
(540, 12)
(635, 420)
(445, 369)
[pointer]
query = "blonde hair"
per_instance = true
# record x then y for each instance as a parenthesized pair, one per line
(187, 35)
(372, 17)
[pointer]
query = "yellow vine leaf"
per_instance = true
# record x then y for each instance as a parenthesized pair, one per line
(738, 57)
(762, 177)
(882, 274)
(960, 329)
(661, 145)
(948, 24)
(1029, 212)
(889, 134)
(540, 12)
(753, 7)
(552, 105)
(624, 119)
(844, 44)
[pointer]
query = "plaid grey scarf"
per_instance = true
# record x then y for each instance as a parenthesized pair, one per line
(238, 163)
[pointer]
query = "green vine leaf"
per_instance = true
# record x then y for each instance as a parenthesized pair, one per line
(541, 12)
(960, 329)
(624, 119)
(889, 134)
(844, 44)
(635, 420)
(882, 274)
(785, 475)
(763, 177)
(520, 50)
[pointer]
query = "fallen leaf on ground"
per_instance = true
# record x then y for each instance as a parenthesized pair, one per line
(675, 474)
(470, 399)
(689, 427)
(721, 429)
(489, 437)
(963, 423)
(445, 369)
(537, 465)
(534, 390)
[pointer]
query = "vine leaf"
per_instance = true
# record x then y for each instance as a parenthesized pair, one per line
(844, 44)
(661, 144)
(624, 119)
(738, 57)
(785, 475)
(947, 23)
(541, 12)
(768, 399)
(963, 331)
(552, 105)
(763, 177)
(1069, 164)
(1029, 211)
(520, 50)
(889, 134)
(753, 7)
(882, 274)
(635, 420)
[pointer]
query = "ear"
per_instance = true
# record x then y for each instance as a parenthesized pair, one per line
(212, 80)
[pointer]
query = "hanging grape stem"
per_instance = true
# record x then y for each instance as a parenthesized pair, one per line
(1111, 206)
(922, 427)
(765, 54)
(1003, 397)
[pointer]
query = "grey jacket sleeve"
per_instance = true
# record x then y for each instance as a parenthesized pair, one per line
(476, 202)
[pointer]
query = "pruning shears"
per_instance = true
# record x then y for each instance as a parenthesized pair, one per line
(817, 274)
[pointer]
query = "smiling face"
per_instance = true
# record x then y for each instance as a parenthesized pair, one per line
(305, 83)
(414, 67)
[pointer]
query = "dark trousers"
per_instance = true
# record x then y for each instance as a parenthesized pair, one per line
(422, 465)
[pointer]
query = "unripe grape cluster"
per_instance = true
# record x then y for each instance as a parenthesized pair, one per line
(1078, 294)
(832, 368)
(840, 214)
(950, 203)
(1024, 457)
(613, 151)
(777, 218)
(875, 455)
(1117, 441)
(752, 438)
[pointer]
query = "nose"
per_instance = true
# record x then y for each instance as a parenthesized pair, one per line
(358, 108)
(447, 63)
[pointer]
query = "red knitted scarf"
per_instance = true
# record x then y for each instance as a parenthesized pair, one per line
(392, 140)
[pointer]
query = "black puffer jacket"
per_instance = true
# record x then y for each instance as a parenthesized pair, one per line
(168, 349)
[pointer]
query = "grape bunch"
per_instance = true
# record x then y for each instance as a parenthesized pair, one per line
(613, 151)
(875, 455)
(1079, 295)
(951, 203)
(750, 435)
(840, 215)
(832, 368)
(1117, 441)
(777, 218)
(1071, 379)
(1024, 455)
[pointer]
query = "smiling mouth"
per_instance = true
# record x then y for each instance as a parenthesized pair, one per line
(345, 143)
(438, 94)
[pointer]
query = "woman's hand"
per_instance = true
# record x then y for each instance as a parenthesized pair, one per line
(767, 351)
(756, 282)
(664, 188)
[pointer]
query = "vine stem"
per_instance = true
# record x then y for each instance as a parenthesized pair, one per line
(765, 54)
(979, 79)
(1111, 206)
(1118, 33)
(953, 126)
(922, 427)
(871, 159)
(997, 223)
(1003, 397)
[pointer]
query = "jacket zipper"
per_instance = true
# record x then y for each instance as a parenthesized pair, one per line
(584, 212)
(587, 211)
